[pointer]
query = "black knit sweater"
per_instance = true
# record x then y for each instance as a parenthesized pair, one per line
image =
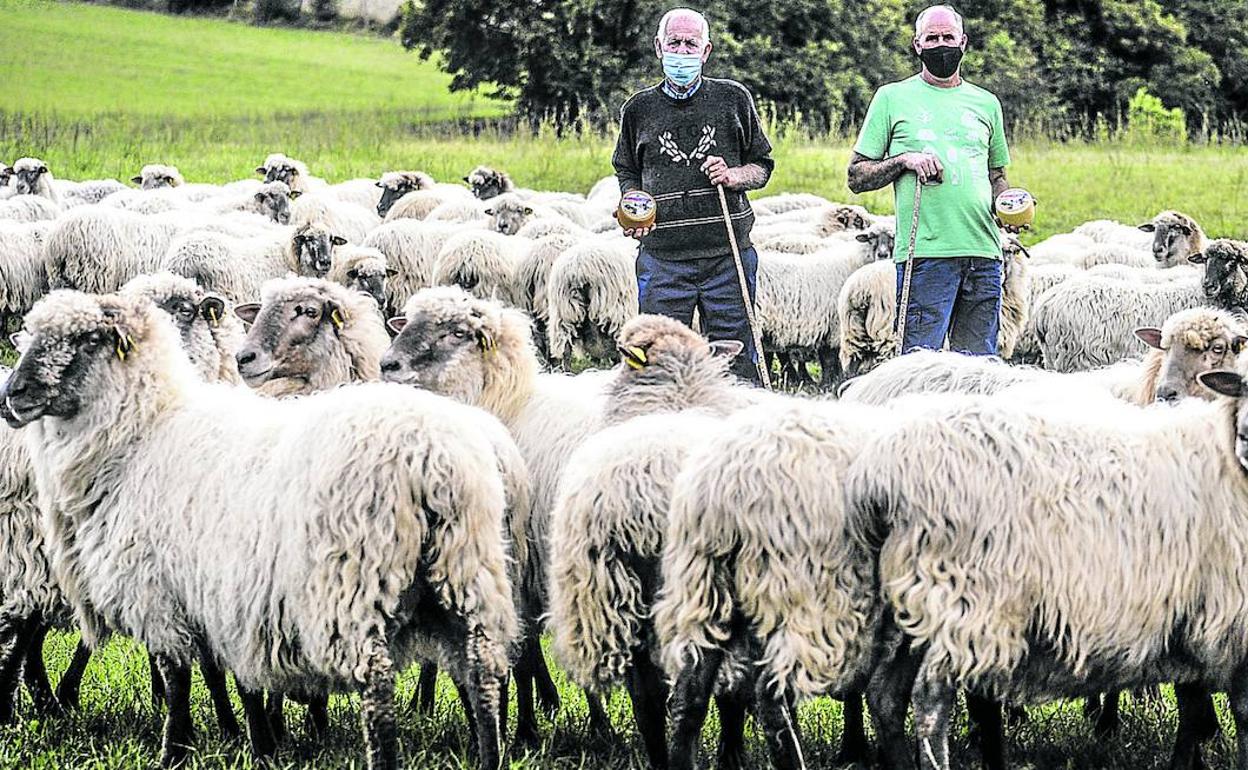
(663, 142)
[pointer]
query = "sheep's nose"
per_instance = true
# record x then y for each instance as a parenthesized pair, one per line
(1167, 394)
(390, 365)
(15, 386)
(245, 357)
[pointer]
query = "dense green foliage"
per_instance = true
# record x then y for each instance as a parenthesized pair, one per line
(1060, 64)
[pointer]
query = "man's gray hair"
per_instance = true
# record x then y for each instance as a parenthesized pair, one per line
(706, 28)
(922, 19)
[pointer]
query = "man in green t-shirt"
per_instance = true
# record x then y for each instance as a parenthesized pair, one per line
(940, 130)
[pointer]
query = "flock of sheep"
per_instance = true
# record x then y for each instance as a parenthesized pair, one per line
(410, 479)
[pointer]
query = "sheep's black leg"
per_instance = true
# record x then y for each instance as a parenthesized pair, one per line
(35, 674)
(318, 715)
(1107, 721)
(599, 722)
(648, 692)
(778, 725)
(547, 692)
(526, 714)
(158, 683)
(1195, 710)
(11, 664)
(70, 686)
(275, 709)
(985, 715)
(888, 695)
(1239, 709)
(259, 729)
(426, 689)
(854, 746)
(732, 707)
(691, 695)
(483, 693)
(179, 735)
(830, 369)
(465, 700)
(381, 740)
(933, 700)
(214, 680)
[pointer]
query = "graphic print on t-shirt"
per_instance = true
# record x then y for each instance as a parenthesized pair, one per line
(668, 147)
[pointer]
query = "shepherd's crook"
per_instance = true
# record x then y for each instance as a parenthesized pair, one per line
(760, 361)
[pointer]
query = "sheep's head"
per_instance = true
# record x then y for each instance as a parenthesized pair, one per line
(880, 239)
(488, 183)
(313, 248)
(1226, 272)
(396, 184)
(445, 338)
(649, 344)
(26, 174)
(273, 200)
(1192, 342)
(279, 168)
(364, 270)
(6, 174)
(294, 331)
(1174, 235)
(1232, 384)
(839, 218)
(508, 214)
(155, 176)
(74, 345)
(196, 314)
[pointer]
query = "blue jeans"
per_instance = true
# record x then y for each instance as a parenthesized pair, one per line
(955, 296)
(675, 287)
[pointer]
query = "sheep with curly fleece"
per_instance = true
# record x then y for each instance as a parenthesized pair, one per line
(31, 176)
(232, 266)
(1176, 237)
(1109, 231)
(481, 353)
(1188, 344)
(411, 249)
(481, 262)
(1090, 322)
(23, 275)
(395, 184)
(532, 278)
(778, 204)
(327, 590)
(309, 335)
(1225, 280)
(211, 335)
(363, 269)
(155, 176)
(591, 293)
(349, 220)
(487, 183)
(277, 167)
(28, 208)
(96, 249)
(993, 593)
(1040, 278)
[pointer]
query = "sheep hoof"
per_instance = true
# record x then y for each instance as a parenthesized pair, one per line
(851, 753)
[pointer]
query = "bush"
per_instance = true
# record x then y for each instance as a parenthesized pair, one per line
(1148, 119)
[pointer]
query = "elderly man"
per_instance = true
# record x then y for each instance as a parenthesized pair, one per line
(678, 141)
(937, 129)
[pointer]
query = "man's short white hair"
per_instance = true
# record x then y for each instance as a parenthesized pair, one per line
(706, 28)
(921, 22)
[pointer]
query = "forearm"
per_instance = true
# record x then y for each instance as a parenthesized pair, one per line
(866, 174)
(999, 184)
(751, 176)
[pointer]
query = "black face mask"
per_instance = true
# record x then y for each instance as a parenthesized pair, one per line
(942, 61)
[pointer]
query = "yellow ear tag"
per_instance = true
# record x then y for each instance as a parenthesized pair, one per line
(124, 344)
(212, 317)
(337, 318)
(640, 355)
(487, 343)
(633, 364)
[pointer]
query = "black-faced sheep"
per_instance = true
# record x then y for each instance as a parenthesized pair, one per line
(591, 293)
(395, 184)
(362, 269)
(1225, 280)
(279, 168)
(155, 176)
(487, 183)
(1176, 237)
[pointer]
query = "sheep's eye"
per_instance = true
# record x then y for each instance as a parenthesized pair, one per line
(1218, 349)
(353, 274)
(95, 339)
(459, 333)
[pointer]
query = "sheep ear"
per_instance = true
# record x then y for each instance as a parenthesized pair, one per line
(862, 237)
(378, 184)
(261, 170)
(294, 194)
(634, 357)
(1237, 344)
(1185, 229)
(1149, 336)
(1197, 259)
(485, 341)
(125, 344)
(338, 240)
(1222, 381)
(726, 348)
(260, 196)
(337, 316)
(247, 312)
(859, 222)
(489, 212)
(212, 308)
(466, 181)
(1148, 227)
(397, 324)
(391, 272)
(136, 179)
(528, 212)
(19, 340)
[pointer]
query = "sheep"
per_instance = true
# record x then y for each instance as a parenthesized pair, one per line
(992, 593)
(1111, 254)
(464, 211)
(1056, 249)
(310, 252)
(233, 267)
(1188, 344)
(532, 278)
(1225, 282)
(349, 220)
(1088, 323)
(481, 354)
(1176, 237)
(417, 563)
(155, 176)
(779, 204)
(591, 292)
(396, 184)
(32, 177)
(28, 208)
(487, 183)
(362, 269)
(1109, 231)
(279, 168)
(271, 200)
(23, 277)
(211, 335)
(789, 242)
(6, 177)
(481, 262)
(96, 249)
(411, 249)
(509, 213)
(1040, 278)
(307, 335)
(361, 192)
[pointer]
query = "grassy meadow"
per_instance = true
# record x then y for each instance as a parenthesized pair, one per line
(98, 92)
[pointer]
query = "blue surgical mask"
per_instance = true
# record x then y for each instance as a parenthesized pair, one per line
(682, 68)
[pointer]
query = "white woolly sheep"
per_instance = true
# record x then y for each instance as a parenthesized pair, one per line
(411, 249)
(508, 213)
(1150, 274)
(396, 184)
(420, 562)
(271, 200)
(1109, 231)
(991, 594)
(28, 208)
(1040, 278)
(361, 192)
(460, 210)
(23, 277)
(96, 249)
(363, 269)
(1225, 281)
(1176, 237)
(154, 176)
(591, 292)
(279, 168)
(1089, 322)
(779, 204)
(349, 220)
(233, 267)
(32, 177)
(480, 353)
(532, 277)
(481, 262)
(211, 334)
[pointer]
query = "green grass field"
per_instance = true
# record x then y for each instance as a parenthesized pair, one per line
(98, 92)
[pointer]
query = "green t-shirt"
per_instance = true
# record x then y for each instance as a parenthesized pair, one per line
(964, 128)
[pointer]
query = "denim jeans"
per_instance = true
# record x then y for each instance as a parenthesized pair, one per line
(958, 297)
